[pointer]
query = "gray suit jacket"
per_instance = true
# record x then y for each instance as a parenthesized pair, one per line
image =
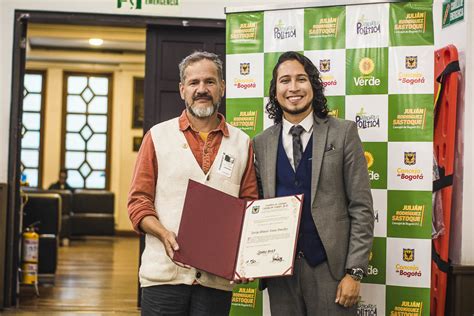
(340, 189)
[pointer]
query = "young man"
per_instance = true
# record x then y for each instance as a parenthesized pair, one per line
(189, 147)
(309, 152)
(61, 184)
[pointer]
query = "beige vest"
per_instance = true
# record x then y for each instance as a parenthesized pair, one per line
(176, 165)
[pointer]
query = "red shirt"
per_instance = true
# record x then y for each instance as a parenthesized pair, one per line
(141, 198)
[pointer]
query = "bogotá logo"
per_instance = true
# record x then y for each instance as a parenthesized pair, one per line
(365, 120)
(255, 209)
(413, 22)
(409, 215)
(411, 77)
(410, 158)
(282, 31)
(324, 69)
(410, 174)
(244, 69)
(365, 27)
(407, 270)
(412, 118)
(324, 65)
(408, 254)
(245, 83)
(366, 67)
(366, 309)
(411, 62)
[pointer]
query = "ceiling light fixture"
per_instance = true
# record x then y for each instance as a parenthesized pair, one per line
(96, 41)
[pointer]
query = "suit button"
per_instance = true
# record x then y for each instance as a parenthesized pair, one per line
(198, 275)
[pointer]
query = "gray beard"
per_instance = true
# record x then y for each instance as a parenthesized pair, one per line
(203, 112)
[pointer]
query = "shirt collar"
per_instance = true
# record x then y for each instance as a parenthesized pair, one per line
(184, 123)
(306, 123)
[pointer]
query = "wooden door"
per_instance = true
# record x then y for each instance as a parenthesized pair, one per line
(166, 47)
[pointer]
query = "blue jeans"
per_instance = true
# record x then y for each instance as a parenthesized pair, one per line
(194, 300)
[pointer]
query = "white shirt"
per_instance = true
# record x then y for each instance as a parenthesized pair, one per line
(287, 138)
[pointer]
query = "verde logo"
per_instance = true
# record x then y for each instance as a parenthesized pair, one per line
(371, 270)
(376, 269)
(366, 67)
(376, 155)
(282, 31)
(373, 175)
(367, 71)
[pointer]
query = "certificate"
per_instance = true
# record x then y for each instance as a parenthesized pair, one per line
(269, 235)
(233, 238)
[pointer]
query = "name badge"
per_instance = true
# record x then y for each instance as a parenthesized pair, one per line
(226, 165)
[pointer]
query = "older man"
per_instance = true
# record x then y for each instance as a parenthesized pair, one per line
(309, 152)
(191, 146)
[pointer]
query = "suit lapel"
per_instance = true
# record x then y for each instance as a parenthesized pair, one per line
(320, 134)
(271, 148)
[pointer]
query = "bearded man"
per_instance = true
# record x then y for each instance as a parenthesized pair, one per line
(192, 146)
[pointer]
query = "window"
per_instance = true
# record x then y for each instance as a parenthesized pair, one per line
(86, 138)
(31, 127)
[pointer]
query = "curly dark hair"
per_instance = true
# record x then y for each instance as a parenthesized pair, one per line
(319, 102)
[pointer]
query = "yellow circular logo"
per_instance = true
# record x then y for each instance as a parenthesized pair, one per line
(369, 158)
(366, 66)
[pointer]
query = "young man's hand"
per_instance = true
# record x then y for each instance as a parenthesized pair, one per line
(348, 291)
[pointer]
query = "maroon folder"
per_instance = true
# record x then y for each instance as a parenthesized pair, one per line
(210, 228)
(210, 231)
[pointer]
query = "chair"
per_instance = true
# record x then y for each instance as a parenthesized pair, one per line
(93, 213)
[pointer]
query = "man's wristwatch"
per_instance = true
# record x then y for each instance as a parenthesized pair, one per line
(356, 273)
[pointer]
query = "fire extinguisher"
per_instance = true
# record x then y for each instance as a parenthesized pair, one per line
(29, 258)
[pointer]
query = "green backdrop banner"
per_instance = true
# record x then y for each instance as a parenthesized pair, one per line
(376, 63)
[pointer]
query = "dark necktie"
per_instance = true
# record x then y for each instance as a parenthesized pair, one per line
(295, 132)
